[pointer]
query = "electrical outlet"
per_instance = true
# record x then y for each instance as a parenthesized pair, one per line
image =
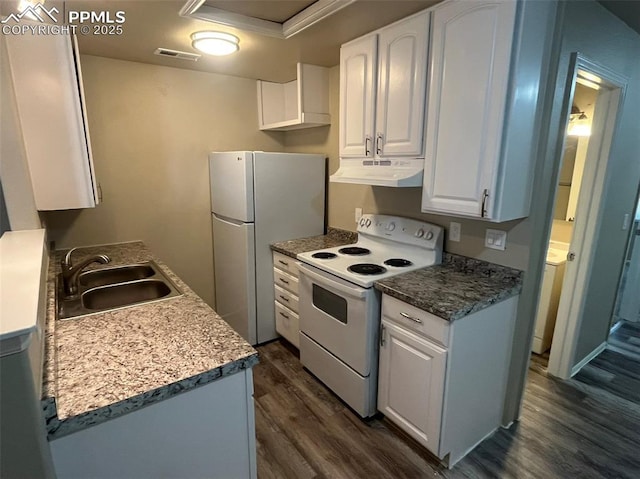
(495, 239)
(454, 231)
(358, 214)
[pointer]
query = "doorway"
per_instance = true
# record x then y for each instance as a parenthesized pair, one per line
(595, 96)
(628, 301)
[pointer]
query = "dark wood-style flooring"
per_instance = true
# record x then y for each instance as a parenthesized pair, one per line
(568, 429)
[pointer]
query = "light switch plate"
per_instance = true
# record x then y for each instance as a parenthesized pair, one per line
(358, 214)
(454, 231)
(495, 239)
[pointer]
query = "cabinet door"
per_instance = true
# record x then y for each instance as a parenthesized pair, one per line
(402, 63)
(48, 89)
(469, 72)
(411, 383)
(357, 102)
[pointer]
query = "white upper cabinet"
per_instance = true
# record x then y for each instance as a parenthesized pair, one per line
(301, 103)
(358, 80)
(383, 79)
(402, 76)
(383, 76)
(482, 107)
(46, 75)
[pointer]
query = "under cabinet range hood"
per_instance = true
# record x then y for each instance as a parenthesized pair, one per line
(380, 172)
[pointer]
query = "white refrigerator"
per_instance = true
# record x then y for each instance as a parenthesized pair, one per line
(258, 198)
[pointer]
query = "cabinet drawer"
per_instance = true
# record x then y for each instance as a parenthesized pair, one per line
(426, 324)
(287, 324)
(286, 298)
(285, 280)
(285, 263)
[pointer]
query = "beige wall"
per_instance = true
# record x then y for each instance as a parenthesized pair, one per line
(344, 198)
(14, 171)
(562, 231)
(151, 130)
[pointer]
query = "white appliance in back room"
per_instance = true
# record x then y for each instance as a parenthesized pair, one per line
(258, 198)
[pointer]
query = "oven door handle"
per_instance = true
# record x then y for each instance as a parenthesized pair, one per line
(322, 280)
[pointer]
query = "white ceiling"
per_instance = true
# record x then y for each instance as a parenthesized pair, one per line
(279, 11)
(151, 24)
(156, 23)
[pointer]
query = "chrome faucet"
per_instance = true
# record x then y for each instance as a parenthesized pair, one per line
(71, 272)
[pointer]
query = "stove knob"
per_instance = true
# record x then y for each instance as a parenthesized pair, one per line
(368, 223)
(420, 233)
(362, 221)
(391, 226)
(429, 235)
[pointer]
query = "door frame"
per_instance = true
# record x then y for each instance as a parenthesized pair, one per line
(589, 213)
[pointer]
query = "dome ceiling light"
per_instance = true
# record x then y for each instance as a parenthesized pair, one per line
(215, 43)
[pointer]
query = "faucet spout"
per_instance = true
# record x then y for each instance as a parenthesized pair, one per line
(70, 273)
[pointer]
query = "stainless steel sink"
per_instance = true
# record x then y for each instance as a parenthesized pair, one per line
(118, 274)
(119, 287)
(116, 295)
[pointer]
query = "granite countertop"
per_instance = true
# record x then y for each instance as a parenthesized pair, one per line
(334, 237)
(456, 288)
(104, 365)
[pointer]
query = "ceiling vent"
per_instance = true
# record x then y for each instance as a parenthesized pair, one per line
(166, 52)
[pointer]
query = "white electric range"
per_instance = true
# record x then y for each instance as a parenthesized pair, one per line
(340, 309)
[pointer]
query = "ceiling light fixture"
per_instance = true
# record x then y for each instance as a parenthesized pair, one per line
(215, 43)
(579, 124)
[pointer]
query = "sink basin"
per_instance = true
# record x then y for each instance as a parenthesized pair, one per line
(119, 274)
(556, 256)
(117, 295)
(119, 287)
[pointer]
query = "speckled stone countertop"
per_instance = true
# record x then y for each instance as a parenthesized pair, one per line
(102, 366)
(334, 237)
(456, 288)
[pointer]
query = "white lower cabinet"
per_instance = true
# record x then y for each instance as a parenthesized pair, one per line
(208, 431)
(443, 382)
(413, 401)
(285, 277)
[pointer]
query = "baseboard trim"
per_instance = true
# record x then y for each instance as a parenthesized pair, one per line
(589, 357)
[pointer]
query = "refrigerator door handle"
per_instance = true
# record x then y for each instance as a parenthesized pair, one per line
(231, 221)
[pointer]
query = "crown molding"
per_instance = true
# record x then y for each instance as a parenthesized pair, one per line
(311, 15)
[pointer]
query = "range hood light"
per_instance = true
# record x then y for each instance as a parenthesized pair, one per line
(215, 43)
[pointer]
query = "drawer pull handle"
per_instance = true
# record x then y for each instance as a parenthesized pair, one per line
(283, 315)
(284, 298)
(284, 280)
(283, 262)
(415, 320)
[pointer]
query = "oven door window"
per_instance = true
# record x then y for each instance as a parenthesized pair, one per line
(332, 304)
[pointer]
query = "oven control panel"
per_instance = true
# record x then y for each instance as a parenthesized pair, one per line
(404, 230)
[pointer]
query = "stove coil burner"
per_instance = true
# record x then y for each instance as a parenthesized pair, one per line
(354, 251)
(398, 262)
(324, 255)
(367, 269)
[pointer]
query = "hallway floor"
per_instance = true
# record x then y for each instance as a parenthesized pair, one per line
(578, 428)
